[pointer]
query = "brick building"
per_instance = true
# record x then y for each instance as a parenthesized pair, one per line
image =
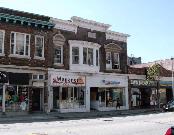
(89, 67)
(25, 39)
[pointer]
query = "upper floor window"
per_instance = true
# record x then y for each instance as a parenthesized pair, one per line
(108, 57)
(116, 61)
(75, 55)
(112, 60)
(97, 58)
(1, 42)
(87, 56)
(58, 41)
(39, 46)
(20, 44)
(91, 35)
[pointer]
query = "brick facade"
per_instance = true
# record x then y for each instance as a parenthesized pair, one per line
(82, 34)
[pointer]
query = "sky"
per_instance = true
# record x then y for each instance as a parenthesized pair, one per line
(150, 23)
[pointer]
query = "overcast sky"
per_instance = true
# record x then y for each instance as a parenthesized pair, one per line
(149, 22)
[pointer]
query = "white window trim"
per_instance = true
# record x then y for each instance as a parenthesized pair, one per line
(118, 60)
(2, 54)
(110, 58)
(17, 55)
(61, 63)
(96, 57)
(72, 55)
(43, 55)
(88, 56)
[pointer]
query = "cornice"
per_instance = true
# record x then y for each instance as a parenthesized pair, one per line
(89, 24)
(117, 36)
(64, 25)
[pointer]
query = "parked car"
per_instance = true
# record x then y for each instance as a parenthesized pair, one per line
(170, 131)
(169, 106)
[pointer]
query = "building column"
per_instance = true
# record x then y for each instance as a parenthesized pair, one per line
(3, 99)
(87, 99)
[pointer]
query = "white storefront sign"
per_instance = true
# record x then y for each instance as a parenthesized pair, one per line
(67, 80)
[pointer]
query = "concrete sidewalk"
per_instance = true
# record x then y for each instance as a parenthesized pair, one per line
(54, 116)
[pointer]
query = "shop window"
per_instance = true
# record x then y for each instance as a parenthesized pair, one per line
(75, 55)
(70, 97)
(39, 46)
(111, 97)
(2, 34)
(1, 96)
(87, 56)
(20, 44)
(16, 98)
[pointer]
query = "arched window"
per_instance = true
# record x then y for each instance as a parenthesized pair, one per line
(58, 41)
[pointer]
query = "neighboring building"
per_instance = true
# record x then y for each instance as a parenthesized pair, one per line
(89, 67)
(134, 60)
(144, 94)
(25, 39)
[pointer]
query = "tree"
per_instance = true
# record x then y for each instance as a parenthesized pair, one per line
(153, 74)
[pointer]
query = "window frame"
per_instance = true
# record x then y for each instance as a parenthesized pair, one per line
(61, 47)
(118, 58)
(76, 55)
(87, 56)
(43, 48)
(3, 40)
(110, 60)
(14, 43)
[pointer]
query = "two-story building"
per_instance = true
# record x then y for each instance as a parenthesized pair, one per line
(25, 39)
(89, 66)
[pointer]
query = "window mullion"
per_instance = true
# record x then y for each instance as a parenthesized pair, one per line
(25, 44)
(14, 50)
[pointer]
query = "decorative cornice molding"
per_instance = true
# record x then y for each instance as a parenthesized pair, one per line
(85, 43)
(89, 24)
(64, 25)
(116, 36)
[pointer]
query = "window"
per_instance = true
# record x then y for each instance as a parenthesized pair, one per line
(1, 42)
(97, 58)
(58, 41)
(58, 54)
(75, 55)
(90, 56)
(116, 62)
(39, 46)
(108, 57)
(85, 60)
(87, 56)
(20, 44)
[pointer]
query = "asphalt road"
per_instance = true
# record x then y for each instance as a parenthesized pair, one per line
(151, 124)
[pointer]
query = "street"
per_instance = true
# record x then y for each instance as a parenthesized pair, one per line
(151, 124)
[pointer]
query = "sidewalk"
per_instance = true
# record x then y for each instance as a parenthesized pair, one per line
(55, 116)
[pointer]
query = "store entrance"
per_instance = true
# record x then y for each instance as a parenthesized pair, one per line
(36, 99)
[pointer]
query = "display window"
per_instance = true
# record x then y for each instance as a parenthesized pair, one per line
(110, 97)
(68, 97)
(16, 98)
(1, 96)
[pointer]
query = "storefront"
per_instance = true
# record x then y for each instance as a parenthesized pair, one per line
(67, 92)
(143, 94)
(17, 94)
(165, 92)
(108, 92)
